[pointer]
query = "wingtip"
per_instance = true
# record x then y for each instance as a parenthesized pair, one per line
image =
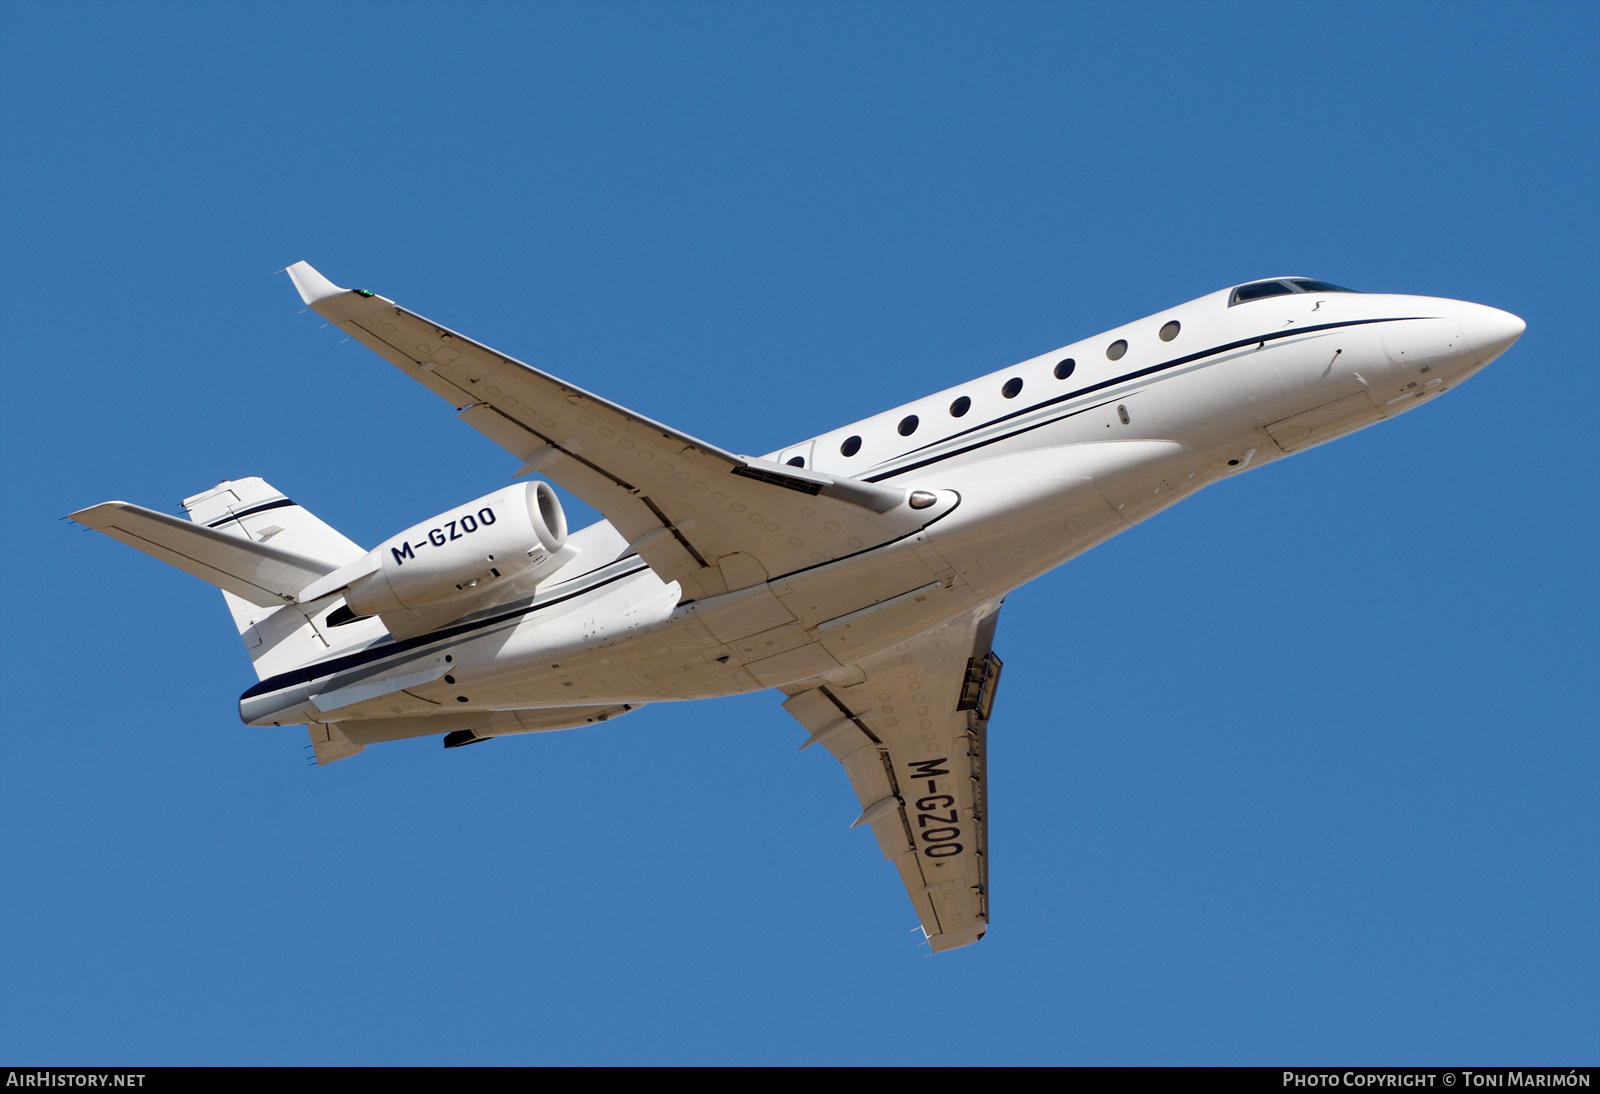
(311, 285)
(86, 516)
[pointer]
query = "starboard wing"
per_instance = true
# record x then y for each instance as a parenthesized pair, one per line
(699, 515)
(912, 738)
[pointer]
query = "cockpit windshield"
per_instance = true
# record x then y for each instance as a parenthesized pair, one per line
(1305, 284)
(1260, 290)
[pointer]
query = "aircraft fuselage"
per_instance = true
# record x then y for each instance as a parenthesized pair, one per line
(1028, 467)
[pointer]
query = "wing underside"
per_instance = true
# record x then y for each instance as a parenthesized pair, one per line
(912, 738)
(711, 520)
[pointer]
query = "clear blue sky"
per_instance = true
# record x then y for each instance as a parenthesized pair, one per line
(1305, 769)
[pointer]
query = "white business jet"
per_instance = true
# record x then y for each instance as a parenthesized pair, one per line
(860, 572)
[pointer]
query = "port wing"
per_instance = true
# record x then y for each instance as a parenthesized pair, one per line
(709, 519)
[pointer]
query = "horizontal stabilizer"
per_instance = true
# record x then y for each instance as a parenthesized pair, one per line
(265, 576)
(330, 743)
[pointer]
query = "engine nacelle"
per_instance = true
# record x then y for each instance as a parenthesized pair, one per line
(513, 536)
(513, 533)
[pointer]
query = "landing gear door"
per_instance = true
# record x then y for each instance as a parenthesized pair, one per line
(798, 456)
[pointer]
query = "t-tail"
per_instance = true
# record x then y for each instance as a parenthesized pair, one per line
(261, 550)
(301, 594)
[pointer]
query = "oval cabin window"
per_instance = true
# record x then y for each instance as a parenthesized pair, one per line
(908, 425)
(960, 407)
(850, 447)
(1170, 330)
(1064, 369)
(1116, 349)
(1013, 387)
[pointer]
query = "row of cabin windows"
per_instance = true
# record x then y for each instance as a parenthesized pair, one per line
(1257, 290)
(1012, 387)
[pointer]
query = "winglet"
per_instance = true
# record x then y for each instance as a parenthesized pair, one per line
(313, 286)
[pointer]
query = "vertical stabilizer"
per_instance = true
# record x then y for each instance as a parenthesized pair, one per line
(279, 638)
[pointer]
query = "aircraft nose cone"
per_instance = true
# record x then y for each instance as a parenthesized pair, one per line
(1490, 331)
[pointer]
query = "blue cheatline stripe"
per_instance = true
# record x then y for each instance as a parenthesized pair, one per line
(307, 673)
(262, 508)
(1124, 378)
